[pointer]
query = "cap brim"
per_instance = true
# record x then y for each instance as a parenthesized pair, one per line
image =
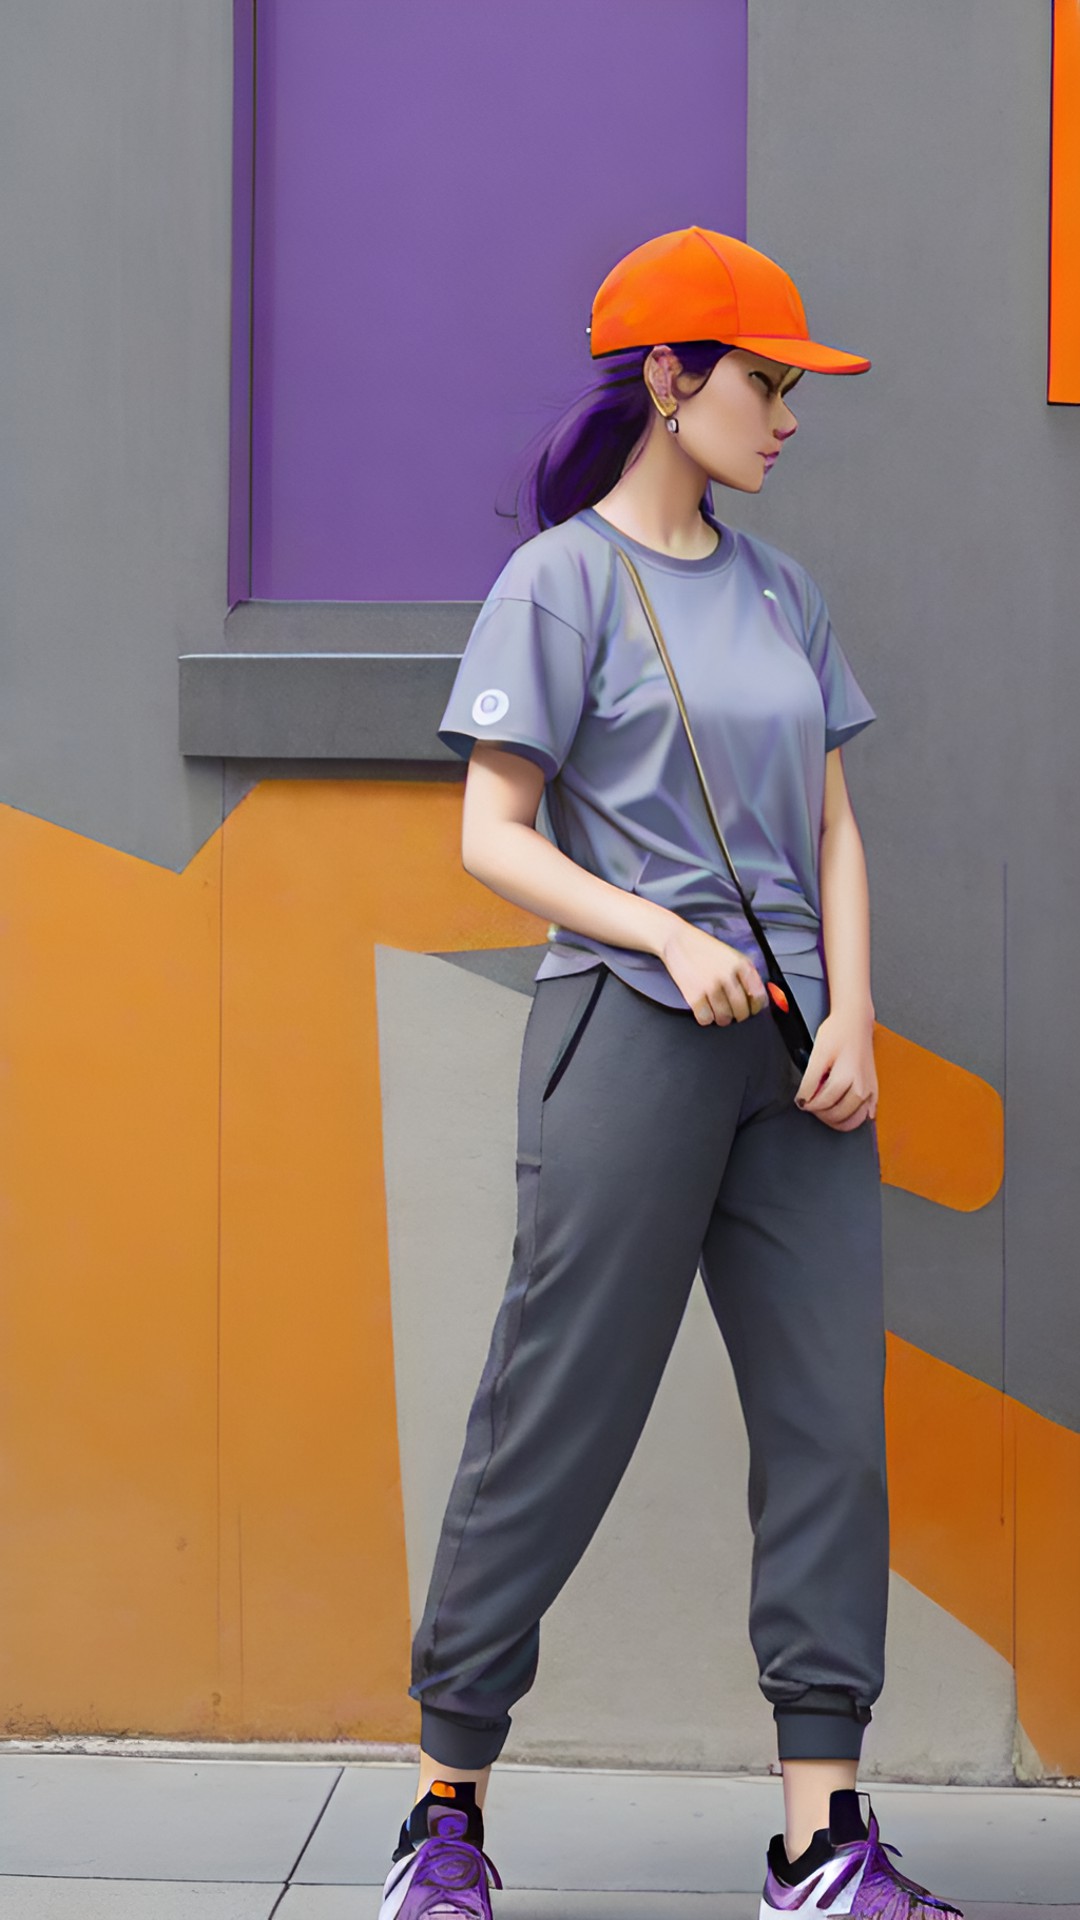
(801, 353)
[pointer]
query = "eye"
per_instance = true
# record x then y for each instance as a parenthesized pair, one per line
(758, 375)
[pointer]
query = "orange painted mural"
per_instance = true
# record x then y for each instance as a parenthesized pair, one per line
(202, 1496)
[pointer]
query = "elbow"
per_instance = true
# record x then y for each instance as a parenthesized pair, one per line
(495, 848)
(473, 857)
(482, 847)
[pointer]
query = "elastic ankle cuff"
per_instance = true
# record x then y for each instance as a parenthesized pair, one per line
(454, 1741)
(822, 1724)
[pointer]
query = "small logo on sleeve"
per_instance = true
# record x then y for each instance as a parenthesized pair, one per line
(489, 706)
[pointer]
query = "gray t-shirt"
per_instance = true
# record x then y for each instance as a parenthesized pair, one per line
(561, 666)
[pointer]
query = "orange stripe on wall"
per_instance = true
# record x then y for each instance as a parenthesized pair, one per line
(109, 999)
(985, 1507)
(1048, 1588)
(952, 1489)
(941, 1129)
(1063, 373)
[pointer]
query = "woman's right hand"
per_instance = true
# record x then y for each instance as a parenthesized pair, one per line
(718, 983)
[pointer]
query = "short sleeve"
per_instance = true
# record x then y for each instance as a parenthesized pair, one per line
(521, 683)
(847, 710)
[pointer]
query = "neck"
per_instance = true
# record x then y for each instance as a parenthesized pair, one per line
(657, 499)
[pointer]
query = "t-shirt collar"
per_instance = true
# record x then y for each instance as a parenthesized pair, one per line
(711, 563)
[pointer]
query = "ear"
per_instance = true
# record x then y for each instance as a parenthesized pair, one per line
(660, 370)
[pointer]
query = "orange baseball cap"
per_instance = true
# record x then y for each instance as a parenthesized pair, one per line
(698, 285)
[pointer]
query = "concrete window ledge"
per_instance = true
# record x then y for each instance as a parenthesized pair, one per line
(326, 680)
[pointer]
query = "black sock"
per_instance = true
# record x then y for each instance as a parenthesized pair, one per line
(845, 1817)
(415, 1830)
(790, 1872)
(845, 1824)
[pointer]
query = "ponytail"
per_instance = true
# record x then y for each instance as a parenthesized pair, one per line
(577, 461)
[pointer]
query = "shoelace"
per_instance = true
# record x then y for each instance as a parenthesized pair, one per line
(451, 1866)
(881, 1878)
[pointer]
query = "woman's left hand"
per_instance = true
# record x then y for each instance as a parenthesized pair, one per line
(840, 1083)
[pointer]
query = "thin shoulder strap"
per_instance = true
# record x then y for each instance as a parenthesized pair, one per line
(665, 657)
(675, 688)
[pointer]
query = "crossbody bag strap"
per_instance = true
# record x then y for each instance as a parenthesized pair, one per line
(665, 657)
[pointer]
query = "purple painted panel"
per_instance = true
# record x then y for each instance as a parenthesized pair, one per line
(441, 185)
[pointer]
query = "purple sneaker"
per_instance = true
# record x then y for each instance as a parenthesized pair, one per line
(846, 1869)
(445, 1875)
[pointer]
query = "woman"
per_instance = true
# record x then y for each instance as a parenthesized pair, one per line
(661, 1123)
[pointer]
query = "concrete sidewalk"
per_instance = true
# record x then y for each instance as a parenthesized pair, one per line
(147, 1831)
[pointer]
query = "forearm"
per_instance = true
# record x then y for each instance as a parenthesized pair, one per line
(845, 919)
(518, 863)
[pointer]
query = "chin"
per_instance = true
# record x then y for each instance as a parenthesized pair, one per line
(739, 486)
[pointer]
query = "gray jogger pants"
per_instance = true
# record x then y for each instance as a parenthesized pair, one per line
(649, 1145)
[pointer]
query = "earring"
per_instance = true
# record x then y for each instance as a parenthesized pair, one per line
(672, 424)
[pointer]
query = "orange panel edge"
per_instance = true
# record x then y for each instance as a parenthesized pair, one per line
(1063, 316)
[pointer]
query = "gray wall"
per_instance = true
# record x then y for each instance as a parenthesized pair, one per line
(898, 166)
(117, 137)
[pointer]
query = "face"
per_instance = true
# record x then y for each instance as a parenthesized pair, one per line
(740, 414)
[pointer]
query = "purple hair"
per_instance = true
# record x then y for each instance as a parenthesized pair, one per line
(578, 460)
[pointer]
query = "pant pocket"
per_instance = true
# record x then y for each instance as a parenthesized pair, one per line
(579, 1020)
